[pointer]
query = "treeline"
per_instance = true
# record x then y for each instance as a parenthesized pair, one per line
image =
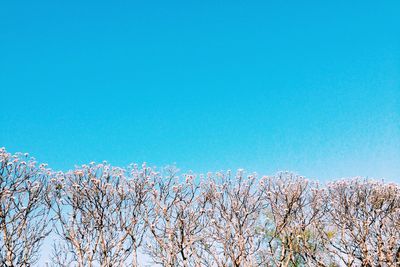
(107, 216)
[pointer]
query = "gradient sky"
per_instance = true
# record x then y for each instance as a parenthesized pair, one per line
(307, 86)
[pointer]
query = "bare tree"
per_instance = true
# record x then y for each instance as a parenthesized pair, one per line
(24, 214)
(365, 225)
(175, 218)
(138, 187)
(104, 216)
(88, 212)
(294, 212)
(234, 215)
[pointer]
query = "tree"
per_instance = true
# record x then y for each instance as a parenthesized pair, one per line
(294, 212)
(104, 216)
(175, 219)
(234, 216)
(138, 187)
(89, 207)
(365, 223)
(24, 215)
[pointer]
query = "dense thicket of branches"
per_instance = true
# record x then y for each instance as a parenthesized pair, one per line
(110, 216)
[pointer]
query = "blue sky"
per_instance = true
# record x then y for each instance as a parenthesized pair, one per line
(307, 86)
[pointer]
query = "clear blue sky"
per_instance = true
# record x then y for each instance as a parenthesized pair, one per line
(307, 86)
